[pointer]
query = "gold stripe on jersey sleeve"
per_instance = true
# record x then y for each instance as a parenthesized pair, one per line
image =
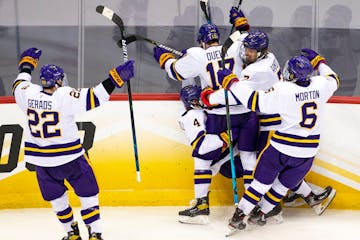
(336, 78)
(253, 102)
(270, 119)
(296, 140)
(197, 140)
(15, 85)
(92, 98)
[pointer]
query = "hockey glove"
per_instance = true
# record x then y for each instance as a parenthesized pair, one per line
(205, 93)
(226, 78)
(314, 57)
(238, 19)
(190, 96)
(29, 59)
(161, 55)
(122, 73)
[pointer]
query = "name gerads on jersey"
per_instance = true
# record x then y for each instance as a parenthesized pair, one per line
(53, 139)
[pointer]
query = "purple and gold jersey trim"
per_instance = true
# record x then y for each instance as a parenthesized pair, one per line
(53, 150)
(91, 100)
(196, 141)
(16, 84)
(269, 120)
(336, 77)
(175, 73)
(253, 103)
(311, 141)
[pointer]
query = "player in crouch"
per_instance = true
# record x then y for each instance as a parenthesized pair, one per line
(52, 141)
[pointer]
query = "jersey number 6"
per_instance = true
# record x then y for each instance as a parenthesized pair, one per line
(308, 115)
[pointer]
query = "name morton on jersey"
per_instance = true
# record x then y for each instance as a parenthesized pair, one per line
(304, 96)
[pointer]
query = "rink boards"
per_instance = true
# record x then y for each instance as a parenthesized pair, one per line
(165, 157)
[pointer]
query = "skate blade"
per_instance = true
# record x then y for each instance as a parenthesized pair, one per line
(320, 209)
(231, 231)
(199, 220)
(277, 219)
(296, 203)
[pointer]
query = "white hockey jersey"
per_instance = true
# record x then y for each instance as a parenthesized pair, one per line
(52, 137)
(260, 75)
(198, 62)
(300, 108)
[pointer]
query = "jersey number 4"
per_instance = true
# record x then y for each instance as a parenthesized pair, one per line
(39, 123)
(229, 64)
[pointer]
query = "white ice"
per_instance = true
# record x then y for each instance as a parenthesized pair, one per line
(160, 223)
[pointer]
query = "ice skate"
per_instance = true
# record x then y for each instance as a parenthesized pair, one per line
(272, 217)
(93, 236)
(198, 213)
(74, 234)
(293, 200)
(319, 202)
(236, 222)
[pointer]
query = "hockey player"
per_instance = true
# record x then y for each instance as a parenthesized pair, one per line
(203, 62)
(261, 71)
(192, 121)
(52, 141)
(300, 101)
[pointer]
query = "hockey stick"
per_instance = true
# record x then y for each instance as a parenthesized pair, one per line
(205, 8)
(111, 15)
(238, 6)
(231, 39)
(134, 37)
(229, 132)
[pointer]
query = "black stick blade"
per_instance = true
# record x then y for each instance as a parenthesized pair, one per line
(130, 39)
(111, 15)
(203, 6)
(100, 9)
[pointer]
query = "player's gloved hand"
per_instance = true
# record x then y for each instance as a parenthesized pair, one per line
(190, 96)
(29, 59)
(314, 57)
(122, 73)
(226, 141)
(226, 78)
(238, 19)
(205, 94)
(161, 55)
